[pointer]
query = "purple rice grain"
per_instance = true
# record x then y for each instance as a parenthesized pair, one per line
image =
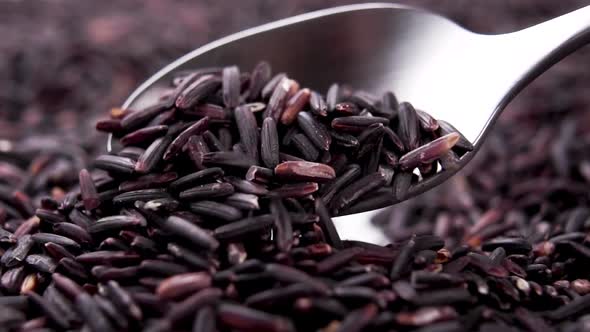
(149, 160)
(70, 267)
(332, 96)
(88, 191)
(271, 84)
(408, 127)
(121, 165)
(247, 187)
(189, 231)
(296, 190)
(187, 256)
(318, 105)
(108, 257)
(426, 121)
(19, 252)
(149, 181)
(123, 300)
(180, 285)
(261, 74)
(111, 243)
(42, 238)
(136, 119)
(200, 177)
(335, 261)
(405, 256)
(304, 171)
(41, 263)
(248, 129)
(259, 174)
(428, 153)
(282, 225)
(111, 311)
(356, 124)
(142, 135)
(315, 131)
(246, 319)
(347, 108)
(328, 227)
(401, 185)
(227, 159)
(295, 105)
(216, 210)
(225, 136)
(49, 217)
(54, 316)
(73, 231)
(211, 190)
(105, 273)
(446, 128)
(256, 107)
(344, 141)
(178, 143)
(231, 86)
(140, 195)
(57, 251)
(161, 267)
(243, 201)
(205, 320)
(93, 316)
(113, 223)
(212, 111)
(11, 279)
(305, 147)
(278, 98)
(184, 309)
(197, 91)
(240, 228)
(359, 319)
(356, 190)
(269, 143)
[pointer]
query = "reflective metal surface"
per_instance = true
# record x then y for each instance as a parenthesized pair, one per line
(456, 75)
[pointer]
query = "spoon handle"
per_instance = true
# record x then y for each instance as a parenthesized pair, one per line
(534, 50)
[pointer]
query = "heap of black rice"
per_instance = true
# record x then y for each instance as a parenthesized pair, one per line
(215, 215)
(549, 205)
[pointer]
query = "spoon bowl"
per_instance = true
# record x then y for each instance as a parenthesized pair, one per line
(454, 74)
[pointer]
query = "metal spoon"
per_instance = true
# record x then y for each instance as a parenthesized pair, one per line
(454, 74)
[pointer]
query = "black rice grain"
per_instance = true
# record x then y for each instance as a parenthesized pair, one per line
(246, 319)
(269, 143)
